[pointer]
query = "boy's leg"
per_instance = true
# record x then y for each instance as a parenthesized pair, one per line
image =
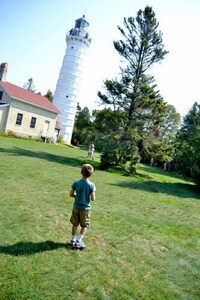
(74, 230)
(73, 238)
(84, 223)
(83, 230)
(82, 233)
(75, 221)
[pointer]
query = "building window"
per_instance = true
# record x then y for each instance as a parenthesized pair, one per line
(33, 122)
(1, 95)
(19, 119)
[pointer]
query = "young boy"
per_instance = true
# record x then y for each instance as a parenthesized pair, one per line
(83, 191)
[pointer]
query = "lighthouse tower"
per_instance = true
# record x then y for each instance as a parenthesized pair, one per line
(68, 84)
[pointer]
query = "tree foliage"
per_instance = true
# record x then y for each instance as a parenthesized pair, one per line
(29, 85)
(134, 95)
(49, 95)
(82, 127)
(159, 138)
(188, 152)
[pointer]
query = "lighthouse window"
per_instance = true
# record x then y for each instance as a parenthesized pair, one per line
(1, 95)
(72, 47)
(67, 96)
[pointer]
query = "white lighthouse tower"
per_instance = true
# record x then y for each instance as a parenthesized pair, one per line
(68, 84)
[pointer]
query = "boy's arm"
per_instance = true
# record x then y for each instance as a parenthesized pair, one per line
(92, 196)
(72, 193)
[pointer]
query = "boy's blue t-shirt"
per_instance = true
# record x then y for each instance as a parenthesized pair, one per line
(83, 190)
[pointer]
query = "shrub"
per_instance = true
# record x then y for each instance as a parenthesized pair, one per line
(60, 138)
(10, 133)
(109, 158)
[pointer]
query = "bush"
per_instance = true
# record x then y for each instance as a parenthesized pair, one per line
(10, 133)
(60, 138)
(108, 159)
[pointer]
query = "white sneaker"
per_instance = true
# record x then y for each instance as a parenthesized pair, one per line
(80, 245)
(73, 243)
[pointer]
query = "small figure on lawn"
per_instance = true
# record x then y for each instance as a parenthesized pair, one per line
(91, 151)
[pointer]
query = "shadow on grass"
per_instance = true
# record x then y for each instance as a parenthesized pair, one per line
(182, 190)
(49, 156)
(29, 248)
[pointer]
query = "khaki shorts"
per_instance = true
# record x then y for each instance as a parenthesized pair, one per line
(81, 217)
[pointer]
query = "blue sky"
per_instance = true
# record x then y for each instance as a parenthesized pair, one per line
(33, 44)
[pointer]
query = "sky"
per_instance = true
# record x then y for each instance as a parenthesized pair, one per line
(32, 42)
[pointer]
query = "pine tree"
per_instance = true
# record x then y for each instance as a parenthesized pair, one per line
(29, 85)
(135, 93)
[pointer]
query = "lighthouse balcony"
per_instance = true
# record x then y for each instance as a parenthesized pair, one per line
(78, 32)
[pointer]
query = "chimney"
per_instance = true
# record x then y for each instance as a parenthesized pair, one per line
(3, 71)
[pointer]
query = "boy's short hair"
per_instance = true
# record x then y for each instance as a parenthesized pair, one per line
(87, 170)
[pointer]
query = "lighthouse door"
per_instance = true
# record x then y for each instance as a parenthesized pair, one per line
(45, 129)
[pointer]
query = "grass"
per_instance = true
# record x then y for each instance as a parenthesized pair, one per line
(143, 242)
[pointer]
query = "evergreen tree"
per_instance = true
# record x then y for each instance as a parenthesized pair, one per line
(107, 125)
(82, 126)
(29, 85)
(188, 150)
(49, 95)
(158, 138)
(135, 93)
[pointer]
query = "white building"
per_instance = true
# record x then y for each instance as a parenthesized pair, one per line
(68, 85)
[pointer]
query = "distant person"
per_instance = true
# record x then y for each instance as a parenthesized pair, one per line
(83, 190)
(151, 162)
(91, 151)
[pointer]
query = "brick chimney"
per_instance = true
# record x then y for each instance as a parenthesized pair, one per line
(3, 71)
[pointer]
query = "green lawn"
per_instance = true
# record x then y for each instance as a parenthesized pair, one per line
(143, 243)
